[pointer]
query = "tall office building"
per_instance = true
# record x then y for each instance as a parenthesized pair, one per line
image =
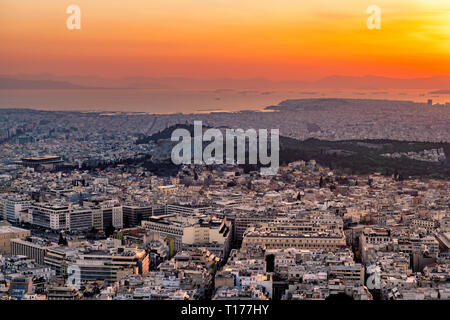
(32, 247)
(107, 265)
(80, 219)
(50, 216)
(8, 233)
(133, 215)
(12, 205)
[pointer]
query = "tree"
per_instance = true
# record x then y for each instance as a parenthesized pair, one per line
(109, 231)
(321, 182)
(62, 241)
(396, 175)
(91, 233)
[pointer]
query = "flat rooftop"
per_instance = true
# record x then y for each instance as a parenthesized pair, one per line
(41, 158)
(11, 229)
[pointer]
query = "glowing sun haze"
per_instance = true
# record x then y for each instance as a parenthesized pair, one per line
(276, 39)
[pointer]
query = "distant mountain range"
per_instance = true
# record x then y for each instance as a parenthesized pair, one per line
(374, 83)
(440, 92)
(48, 81)
(11, 83)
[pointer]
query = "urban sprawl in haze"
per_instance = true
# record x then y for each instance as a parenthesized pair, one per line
(92, 208)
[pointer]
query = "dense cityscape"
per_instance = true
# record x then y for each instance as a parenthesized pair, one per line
(83, 219)
(224, 159)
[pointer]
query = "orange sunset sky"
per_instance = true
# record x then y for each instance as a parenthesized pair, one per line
(274, 39)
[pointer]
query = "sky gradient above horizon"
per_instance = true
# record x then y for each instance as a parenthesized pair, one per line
(279, 40)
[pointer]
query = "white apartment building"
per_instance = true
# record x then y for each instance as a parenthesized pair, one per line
(12, 206)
